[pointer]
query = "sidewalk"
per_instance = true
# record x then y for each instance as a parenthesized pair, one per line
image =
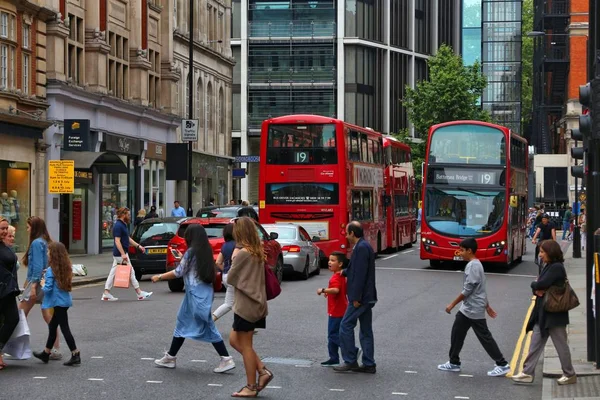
(98, 267)
(588, 377)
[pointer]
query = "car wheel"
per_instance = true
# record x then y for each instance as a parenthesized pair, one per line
(279, 270)
(306, 272)
(318, 269)
(138, 276)
(176, 285)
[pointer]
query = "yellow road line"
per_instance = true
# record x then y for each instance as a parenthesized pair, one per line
(519, 346)
(525, 350)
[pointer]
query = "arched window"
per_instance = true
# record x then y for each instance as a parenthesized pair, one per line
(200, 102)
(187, 95)
(222, 120)
(210, 109)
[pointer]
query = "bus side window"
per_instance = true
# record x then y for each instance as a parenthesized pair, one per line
(353, 146)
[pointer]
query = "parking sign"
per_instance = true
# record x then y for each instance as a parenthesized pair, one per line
(189, 130)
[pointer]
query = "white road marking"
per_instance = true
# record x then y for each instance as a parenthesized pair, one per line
(388, 257)
(40, 377)
(273, 387)
(462, 397)
(302, 366)
(215, 384)
(335, 390)
(406, 251)
(147, 358)
(453, 272)
(410, 372)
(198, 361)
(466, 375)
(97, 357)
(400, 393)
(95, 379)
(154, 381)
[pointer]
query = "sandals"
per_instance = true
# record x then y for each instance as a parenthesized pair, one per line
(251, 388)
(270, 377)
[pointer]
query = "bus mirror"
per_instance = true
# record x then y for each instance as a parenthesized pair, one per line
(316, 238)
(514, 201)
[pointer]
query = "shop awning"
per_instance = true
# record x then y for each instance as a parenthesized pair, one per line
(104, 162)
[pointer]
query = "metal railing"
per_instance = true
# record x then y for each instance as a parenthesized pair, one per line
(292, 75)
(291, 29)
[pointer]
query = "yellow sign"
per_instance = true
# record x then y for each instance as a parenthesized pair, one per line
(261, 204)
(61, 176)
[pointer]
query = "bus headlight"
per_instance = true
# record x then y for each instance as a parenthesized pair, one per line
(428, 242)
(498, 246)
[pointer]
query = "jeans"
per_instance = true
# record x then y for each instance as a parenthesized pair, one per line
(461, 327)
(228, 303)
(364, 315)
(60, 318)
(566, 228)
(333, 338)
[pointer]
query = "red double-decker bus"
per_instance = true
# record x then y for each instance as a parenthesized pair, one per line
(474, 185)
(321, 173)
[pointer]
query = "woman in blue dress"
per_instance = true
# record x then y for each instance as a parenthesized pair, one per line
(194, 320)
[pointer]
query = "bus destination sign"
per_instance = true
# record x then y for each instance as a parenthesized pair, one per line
(465, 176)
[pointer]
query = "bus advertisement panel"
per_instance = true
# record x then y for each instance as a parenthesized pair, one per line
(475, 185)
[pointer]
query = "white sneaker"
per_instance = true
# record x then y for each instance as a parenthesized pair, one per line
(56, 355)
(109, 297)
(144, 295)
(499, 370)
(225, 365)
(522, 378)
(166, 362)
(448, 366)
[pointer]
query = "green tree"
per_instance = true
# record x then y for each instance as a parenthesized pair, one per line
(527, 65)
(452, 93)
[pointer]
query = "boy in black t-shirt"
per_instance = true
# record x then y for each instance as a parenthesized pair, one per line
(544, 231)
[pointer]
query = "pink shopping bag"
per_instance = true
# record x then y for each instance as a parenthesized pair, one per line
(122, 276)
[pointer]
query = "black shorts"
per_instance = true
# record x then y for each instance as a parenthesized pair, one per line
(241, 325)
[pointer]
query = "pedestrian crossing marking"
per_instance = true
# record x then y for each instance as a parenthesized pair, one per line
(400, 393)
(154, 381)
(335, 390)
(95, 379)
(215, 384)
(40, 377)
(147, 358)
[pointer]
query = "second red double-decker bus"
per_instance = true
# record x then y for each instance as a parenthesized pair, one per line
(322, 173)
(475, 185)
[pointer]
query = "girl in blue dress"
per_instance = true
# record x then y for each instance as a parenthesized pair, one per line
(194, 320)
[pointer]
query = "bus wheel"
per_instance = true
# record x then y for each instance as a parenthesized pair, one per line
(378, 242)
(435, 263)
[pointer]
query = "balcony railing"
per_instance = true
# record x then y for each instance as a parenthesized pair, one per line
(291, 29)
(292, 75)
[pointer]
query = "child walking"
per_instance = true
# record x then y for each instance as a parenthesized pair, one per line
(337, 303)
(472, 314)
(57, 295)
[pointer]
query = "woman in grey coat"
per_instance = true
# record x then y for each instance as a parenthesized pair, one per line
(546, 324)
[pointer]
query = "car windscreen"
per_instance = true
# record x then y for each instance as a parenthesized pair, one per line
(155, 233)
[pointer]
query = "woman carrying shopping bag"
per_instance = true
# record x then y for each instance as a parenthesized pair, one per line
(9, 289)
(194, 321)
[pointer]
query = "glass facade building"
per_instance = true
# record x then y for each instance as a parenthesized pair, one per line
(348, 59)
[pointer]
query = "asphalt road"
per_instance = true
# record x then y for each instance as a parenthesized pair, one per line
(412, 335)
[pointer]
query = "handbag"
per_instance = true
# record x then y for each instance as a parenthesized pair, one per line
(122, 276)
(272, 285)
(218, 282)
(18, 344)
(560, 298)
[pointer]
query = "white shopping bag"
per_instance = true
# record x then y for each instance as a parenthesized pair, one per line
(79, 270)
(18, 344)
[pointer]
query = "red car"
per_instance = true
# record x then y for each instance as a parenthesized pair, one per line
(214, 230)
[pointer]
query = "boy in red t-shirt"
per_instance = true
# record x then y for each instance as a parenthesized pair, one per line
(337, 302)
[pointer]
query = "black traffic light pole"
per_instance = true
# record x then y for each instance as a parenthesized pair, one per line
(190, 211)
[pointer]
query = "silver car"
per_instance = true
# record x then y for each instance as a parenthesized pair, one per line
(300, 254)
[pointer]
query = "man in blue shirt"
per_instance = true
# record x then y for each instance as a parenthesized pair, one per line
(362, 296)
(177, 211)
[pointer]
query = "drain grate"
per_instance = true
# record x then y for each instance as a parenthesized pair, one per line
(587, 387)
(287, 361)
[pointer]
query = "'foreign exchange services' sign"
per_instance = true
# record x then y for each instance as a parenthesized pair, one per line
(61, 176)
(77, 135)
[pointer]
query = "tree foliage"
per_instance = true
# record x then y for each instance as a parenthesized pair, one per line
(527, 65)
(452, 93)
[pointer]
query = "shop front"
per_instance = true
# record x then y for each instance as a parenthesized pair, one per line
(155, 177)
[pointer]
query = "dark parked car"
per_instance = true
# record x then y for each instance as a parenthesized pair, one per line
(154, 234)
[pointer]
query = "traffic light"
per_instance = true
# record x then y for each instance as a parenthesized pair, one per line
(577, 153)
(586, 100)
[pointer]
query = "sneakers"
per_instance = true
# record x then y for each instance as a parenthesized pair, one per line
(42, 355)
(55, 355)
(166, 362)
(144, 295)
(75, 360)
(225, 365)
(522, 378)
(499, 370)
(448, 366)
(330, 363)
(345, 367)
(567, 380)
(108, 297)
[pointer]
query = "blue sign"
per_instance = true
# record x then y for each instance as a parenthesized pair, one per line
(576, 207)
(252, 159)
(238, 173)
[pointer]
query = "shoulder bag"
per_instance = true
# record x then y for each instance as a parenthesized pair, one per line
(560, 298)
(271, 283)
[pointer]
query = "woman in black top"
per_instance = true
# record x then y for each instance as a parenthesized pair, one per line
(9, 288)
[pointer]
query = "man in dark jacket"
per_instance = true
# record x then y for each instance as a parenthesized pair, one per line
(152, 213)
(362, 296)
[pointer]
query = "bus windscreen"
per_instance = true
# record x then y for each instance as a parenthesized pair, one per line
(467, 144)
(306, 144)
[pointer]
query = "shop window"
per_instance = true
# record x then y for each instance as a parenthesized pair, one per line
(15, 199)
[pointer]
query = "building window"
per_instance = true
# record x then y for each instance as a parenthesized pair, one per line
(15, 201)
(26, 36)
(26, 75)
(154, 79)
(4, 21)
(75, 50)
(118, 66)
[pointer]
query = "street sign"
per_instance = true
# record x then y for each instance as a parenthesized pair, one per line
(61, 176)
(189, 130)
(252, 159)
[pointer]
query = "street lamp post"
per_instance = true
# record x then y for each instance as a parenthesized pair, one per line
(190, 211)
